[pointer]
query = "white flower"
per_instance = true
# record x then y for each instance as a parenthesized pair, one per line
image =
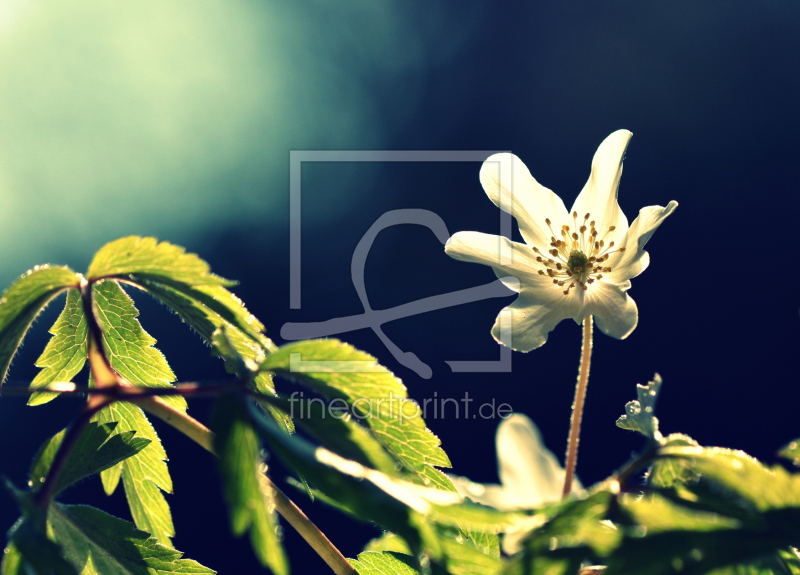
(529, 473)
(573, 264)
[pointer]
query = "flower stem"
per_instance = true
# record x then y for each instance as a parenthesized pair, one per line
(203, 436)
(577, 405)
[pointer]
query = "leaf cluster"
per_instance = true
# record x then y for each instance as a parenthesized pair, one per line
(345, 427)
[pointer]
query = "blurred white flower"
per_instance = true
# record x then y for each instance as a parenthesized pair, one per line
(529, 473)
(573, 264)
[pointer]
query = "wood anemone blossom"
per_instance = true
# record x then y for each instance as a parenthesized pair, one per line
(573, 264)
(530, 477)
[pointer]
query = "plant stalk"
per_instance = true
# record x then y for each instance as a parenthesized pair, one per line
(127, 393)
(105, 376)
(203, 436)
(577, 406)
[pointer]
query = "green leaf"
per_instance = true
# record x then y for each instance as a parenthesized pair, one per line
(687, 552)
(410, 510)
(336, 431)
(672, 540)
(150, 258)
(144, 475)
(778, 563)
(569, 533)
(765, 488)
(374, 395)
(205, 320)
(469, 516)
(96, 450)
(791, 451)
(243, 367)
(98, 544)
(388, 542)
(791, 558)
(22, 302)
(172, 274)
(13, 563)
(659, 515)
(247, 491)
(384, 563)
(343, 481)
(65, 354)
(670, 471)
(724, 525)
(86, 540)
(461, 558)
(486, 542)
(221, 302)
(128, 347)
(30, 551)
(639, 414)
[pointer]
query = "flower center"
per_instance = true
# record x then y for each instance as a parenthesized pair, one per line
(576, 260)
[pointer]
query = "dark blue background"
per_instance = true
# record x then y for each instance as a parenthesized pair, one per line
(710, 91)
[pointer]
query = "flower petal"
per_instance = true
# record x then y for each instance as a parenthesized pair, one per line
(526, 323)
(615, 311)
(599, 195)
(634, 260)
(529, 472)
(507, 258)
(512, 188)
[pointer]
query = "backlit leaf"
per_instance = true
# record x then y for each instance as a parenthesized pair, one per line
(150, 258)
(99, 544)
(31, 552)
(128, 347)
(343, 481)
(206, 321)
(144, 475)
(765, 488)
(22, 302)
(247, 491)
(65, 354)
(335, 431)
(97, 449)
(374, 394)
(384, 563)
(571, 532)
(669, 471)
